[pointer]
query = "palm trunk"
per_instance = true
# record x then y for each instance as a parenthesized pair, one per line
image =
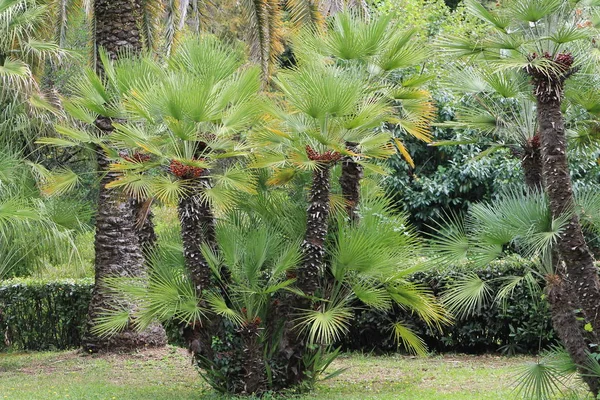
(117, 245)
(562, 299)
(193, 214)
(531, 163)
(352, 173)
(313, 249)
(569, 329)
(255, 379)
(117, 254)
(197, 229)
(572, 248)
(292, 344)
(117, 26)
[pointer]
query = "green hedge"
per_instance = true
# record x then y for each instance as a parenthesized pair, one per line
(521, 324)
(41, 316)
(37, 315)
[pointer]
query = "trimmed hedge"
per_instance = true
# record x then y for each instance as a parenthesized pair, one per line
(521, 324)
(36, 315)
(45, 316)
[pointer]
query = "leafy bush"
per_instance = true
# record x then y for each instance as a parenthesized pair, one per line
(37, 315)
(521, 325)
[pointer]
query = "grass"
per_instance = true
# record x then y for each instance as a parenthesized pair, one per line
(167, 374)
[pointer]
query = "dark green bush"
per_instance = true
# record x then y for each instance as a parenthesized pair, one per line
(42, 316)
(521, 324)
(38, 315)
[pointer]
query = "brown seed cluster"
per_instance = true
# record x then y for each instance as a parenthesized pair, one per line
(183, 171)
(329, 156)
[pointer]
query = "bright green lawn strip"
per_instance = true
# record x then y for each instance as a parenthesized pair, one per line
(167, 374)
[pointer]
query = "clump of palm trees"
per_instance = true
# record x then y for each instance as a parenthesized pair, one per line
(266, 275)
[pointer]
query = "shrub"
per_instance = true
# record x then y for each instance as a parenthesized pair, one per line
(521, 324)
(37, 315)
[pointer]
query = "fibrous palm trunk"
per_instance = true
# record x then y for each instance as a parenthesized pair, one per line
(573, 250)
(531, 163)
(118, 253)
(352, 173)
(313, 249)
(117, 245)
(198, 229)
(576, 285)
(562, 298)
(144, 224)
(569, 328)
(292, 345)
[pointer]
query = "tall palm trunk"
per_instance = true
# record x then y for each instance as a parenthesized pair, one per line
(562, 298)
(292, 345)
(117, 245)
(313, 249)
(569, 329)
(144, 223)
(352, 173)
(198, 229)
(573, 250)
(118, 253)
(580, 270)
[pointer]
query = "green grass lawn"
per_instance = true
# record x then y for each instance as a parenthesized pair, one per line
(167, 374)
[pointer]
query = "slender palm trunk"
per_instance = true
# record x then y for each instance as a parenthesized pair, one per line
(292, 345)
(569, 329)
(313, 249)
(255, 379)
(117, 245)
(352, 173)
(144, 224)
(198, 229)
(562, 298)
(573, 250)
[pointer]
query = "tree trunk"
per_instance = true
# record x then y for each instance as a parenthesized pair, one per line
(292, 345)
(531, 163)
(118, 253)
(581, 273)
(352, 173)
(198, 228)
(193, 213)
(569, 329)
(255, 379)
(117, 245)
(313, 249)
(117, 27)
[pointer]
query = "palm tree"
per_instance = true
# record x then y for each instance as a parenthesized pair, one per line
(181, 122)
(381, 53)
(323, 108)
(535, 38)
(518, 222)
(183, 126)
